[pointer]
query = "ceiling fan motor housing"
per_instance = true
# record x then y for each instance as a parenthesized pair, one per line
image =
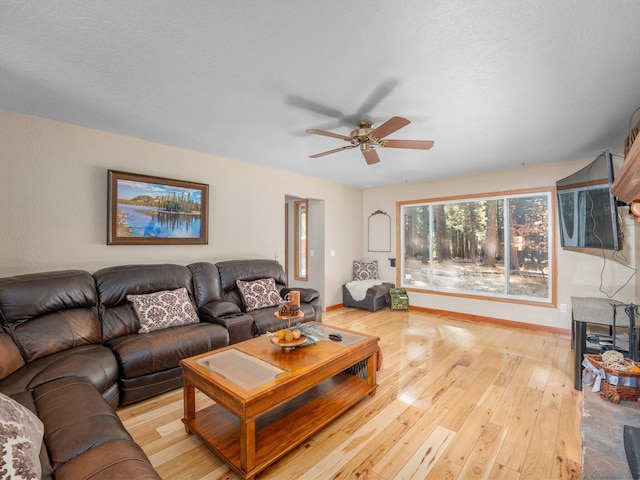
(364, 128)
(361, 135)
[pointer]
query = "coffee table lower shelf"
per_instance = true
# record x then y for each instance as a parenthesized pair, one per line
(282, 429)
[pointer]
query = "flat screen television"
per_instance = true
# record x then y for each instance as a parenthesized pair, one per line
(587, 211)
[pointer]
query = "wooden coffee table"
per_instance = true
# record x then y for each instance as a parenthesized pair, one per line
(268, 401)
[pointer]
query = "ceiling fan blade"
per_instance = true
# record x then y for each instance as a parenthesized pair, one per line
(312, 106)
(373, 100)
(416, 144)
(335, 150)
(390, 126)
(371, 156)
(328, 134)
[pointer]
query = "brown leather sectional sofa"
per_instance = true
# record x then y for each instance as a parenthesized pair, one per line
(70, 351)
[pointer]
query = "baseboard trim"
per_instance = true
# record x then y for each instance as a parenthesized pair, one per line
(497, 321)
(479, 318)
(334, 307)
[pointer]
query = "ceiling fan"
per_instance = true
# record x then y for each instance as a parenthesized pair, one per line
(367, 138)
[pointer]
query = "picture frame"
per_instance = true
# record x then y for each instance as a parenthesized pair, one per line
(149, 210)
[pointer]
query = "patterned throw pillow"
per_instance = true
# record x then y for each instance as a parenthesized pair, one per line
(365, 271)
(159, 310)
(259, 293)
(20, 441)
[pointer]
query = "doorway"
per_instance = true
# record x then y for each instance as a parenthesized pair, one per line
(304, 243)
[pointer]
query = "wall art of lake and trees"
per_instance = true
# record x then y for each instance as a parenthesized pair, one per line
(152, 210)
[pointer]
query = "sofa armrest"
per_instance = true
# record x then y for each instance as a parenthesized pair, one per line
(215, 309)
(10, 360)
(228, 314)
(239, 325)
(307, 295)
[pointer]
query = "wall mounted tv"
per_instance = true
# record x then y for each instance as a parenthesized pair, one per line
(587, 211)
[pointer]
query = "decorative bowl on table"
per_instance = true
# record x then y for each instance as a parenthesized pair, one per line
(288, 345)
(288, 338)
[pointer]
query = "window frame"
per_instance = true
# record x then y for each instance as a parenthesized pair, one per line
(550, 192)
(301, 242)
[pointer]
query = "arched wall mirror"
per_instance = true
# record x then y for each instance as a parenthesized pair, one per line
(379, 232)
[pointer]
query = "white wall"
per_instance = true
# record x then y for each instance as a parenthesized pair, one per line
(53, 186)
(578, 271)
(53, 215)
(315, 237)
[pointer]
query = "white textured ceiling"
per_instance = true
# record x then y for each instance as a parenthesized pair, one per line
(494, 83)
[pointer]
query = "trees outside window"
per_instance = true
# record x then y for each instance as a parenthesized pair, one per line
(497, 245)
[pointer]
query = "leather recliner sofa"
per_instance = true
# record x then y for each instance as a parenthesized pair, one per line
(223, 297)
(71, 351)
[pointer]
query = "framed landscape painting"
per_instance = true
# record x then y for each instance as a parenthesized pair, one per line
(145, 210)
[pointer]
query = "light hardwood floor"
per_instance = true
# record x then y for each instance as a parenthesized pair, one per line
(456, 399)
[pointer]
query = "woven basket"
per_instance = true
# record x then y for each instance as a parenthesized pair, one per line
(615, 393)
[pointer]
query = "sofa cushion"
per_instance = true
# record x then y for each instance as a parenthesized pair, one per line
(21, 433)
(206, 283)
(115, 283)
(160, 310)
(140, 355)
(76, 418)
(133, 390)
(94, 363)
(248, 270)
(49, 312)
(259, 293)
(116, 460)
(365, 270)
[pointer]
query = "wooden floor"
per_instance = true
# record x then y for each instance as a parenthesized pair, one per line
(456, 400)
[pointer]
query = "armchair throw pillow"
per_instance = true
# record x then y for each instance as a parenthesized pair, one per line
(160, 310)
(365, 271)
(20, 441)
(259, 293)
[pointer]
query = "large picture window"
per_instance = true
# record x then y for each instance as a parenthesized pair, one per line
(497, 246)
